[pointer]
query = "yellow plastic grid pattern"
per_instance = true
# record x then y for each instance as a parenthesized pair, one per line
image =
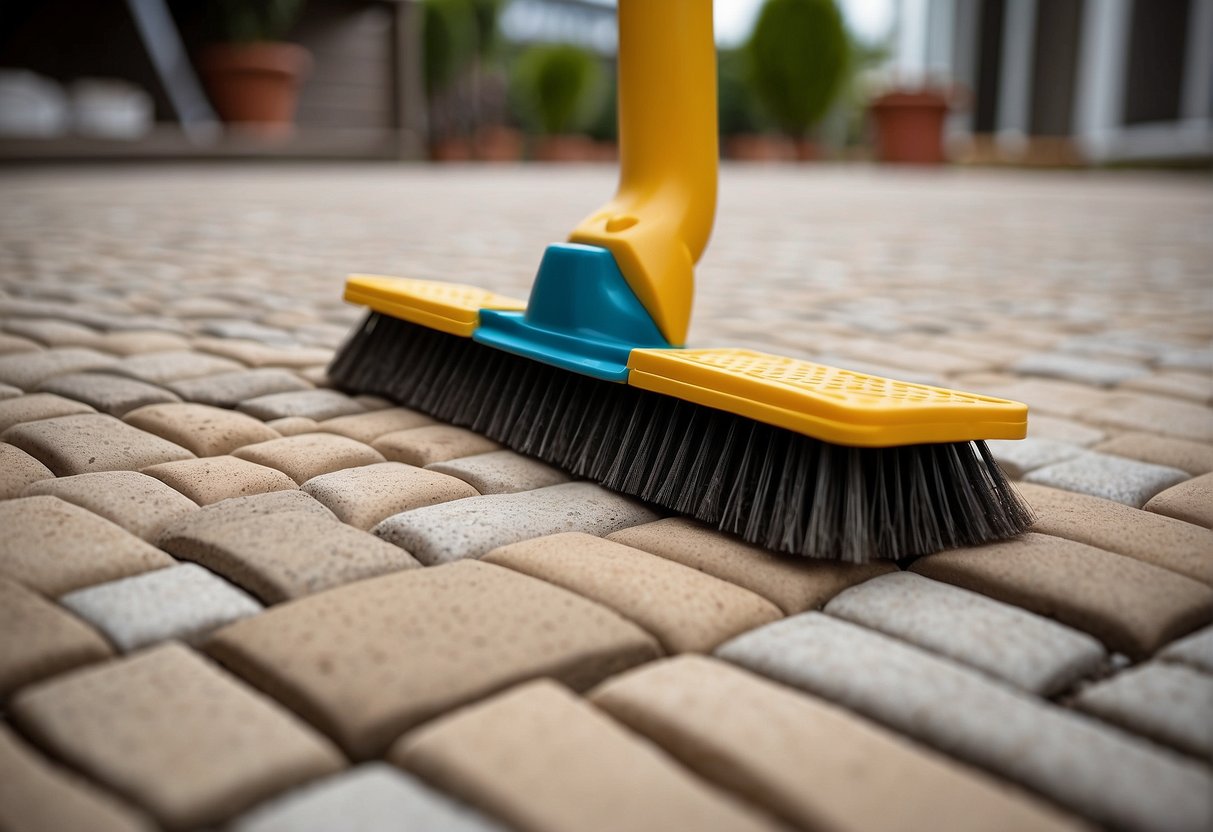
(448, 307)
(828, 403)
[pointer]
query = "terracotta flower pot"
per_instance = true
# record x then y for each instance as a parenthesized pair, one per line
(451, 149)
(255, 85)
(909, 127)
(498, 144)
(565, 148)
(759, 147)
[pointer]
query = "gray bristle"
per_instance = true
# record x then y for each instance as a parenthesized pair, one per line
(772, 487)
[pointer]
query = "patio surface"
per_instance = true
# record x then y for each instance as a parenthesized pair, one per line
(232, 597)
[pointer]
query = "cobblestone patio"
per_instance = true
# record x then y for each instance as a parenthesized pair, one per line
(231, 596)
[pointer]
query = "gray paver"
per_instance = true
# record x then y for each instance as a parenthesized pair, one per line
(108, 393)
(1195, 650)
(1111, 477)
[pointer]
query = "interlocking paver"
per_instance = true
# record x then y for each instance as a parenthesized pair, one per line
(38, 796)
(1097, 772)
(1043, 395)
(1130, 606)
(309, 455)
(1185, 385)
(181, 602)
(501, 472)
(1190, 501)
(1111, 477)
(1005, 642)
(91, 442)
(1063, 430)
(373, 797)
(52, 332)
(365, 662)
(1169, 703)
(310, 404)
(231, 388)
(469, 528)
(18, 470)
(1195, 650)
(175, 734)
(138, 503)
(294, 425)
(1199, 360)
(216, 478)
(175, 365)
(202, 429)
(365, 495)
(1019, 456)
(569, 767)
(258, 354)
(813, 764)
(792, 584)
(1143, 412)
(7, 391)
(1194, 457)
(108, 393)
(1080, 368)
(38, 639)
(55, 547)
(28, 370)
(35, 406)
(1162, 541)
(367, 427)
(137, 342)
(436, 443)
(12, 344)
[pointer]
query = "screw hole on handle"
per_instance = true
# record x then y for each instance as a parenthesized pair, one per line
(620, 223)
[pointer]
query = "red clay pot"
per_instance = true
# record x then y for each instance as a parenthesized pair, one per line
(909, 127)
(451, 149)
(566, 148)
(498, 144)
(255, 85)
(759, 147)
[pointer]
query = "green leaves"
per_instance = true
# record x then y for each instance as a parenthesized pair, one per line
(246, 21)
(559, 87)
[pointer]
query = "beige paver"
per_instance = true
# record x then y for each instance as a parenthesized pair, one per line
(813, 764)
(1197, 387)
(309, 455)
(792, 584)
(1194, 457)
(18, 470)
(137, 342)
(310, 404)
(1143, 412)
(216, 478)
(294, 425)
(686, 610)
(12, 344)
(367, 427)
(1129, 605)
(39, 639)
(1018, 457)
(256, 354)
(231, 388)
(138, 503)
(91, 442)
(110, 394)
(436, 443)
(1191, 501)
(35, 406)
(543, 760)
(28, 370)
(202, 429)
(369, 660)
(55, 547)
(1195, 650)
(365, 495)
(175, 734)
(53, 333)
(501, 472)
(1059, 429)
(175, 365)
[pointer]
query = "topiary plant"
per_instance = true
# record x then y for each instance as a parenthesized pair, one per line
(449, 32)
(248, 21)
(558, 88)
(798, 57)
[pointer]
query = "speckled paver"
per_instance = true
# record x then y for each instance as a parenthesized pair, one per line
(1019, 457)
(309, 404)
(436, 443)
(216, 478)
(165, 367)
(1110, 477)
(18, 470)
(108, 393)
(1195, 650)
(28, 370)
(203, 430)
(91, 442)
(367, 427)
(309, 455)
(231, 388)
(501, 472)
(1191, 501)
(1195, 458)
(29, 408)
(365, 495)
(138, 503)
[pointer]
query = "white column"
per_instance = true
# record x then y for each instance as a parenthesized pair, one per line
(1198, 68)
(1103, 61)
(1015, 82)
(941, 19)
(965, 17)
(911, 46)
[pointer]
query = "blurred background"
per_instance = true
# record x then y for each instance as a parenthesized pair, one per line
(992, 82)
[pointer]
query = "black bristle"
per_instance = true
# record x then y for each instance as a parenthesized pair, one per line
(773, 487)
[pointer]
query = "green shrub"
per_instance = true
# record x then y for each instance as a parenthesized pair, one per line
(245, 21)
(798, 57)
(449, 35)
(734, 100)
(558, 89)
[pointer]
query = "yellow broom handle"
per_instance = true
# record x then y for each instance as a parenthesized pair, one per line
(658, 223)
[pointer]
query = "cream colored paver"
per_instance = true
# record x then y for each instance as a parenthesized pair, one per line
(543, 760)
(1195, 650)
(294, 425)
(809, 762)
(216, 478)
(91, 442)
(38, 796)
(13, 344)
(501, 472)
(38, 639)
(35, 406)
(204, 430)
(1129, 605)
(1162, 541)
(1110, 477)
(367, 427)
(28, 370)
(110, 394)
(138, 503)
(55, 547)
(1143, 412)
(373, 797)
(1058, 429)
(183, 602)
(1169, 703)
(257, 354)
(1081, 368)
(436, 443)
(686, 610)
(53, 333)
(175, 365)
(1019, 456)
(7, 391)
(1095, 771)
(136, 342)
(1191, 501)
(1197, 387)
(793, 584)
(310, 404)
(367, 661)
(18, 470)
(231, 388)
(365, 495)
(1048, 396)
(174, 734)
(1194, 457)
(1005, 642)
(469, 528)
(309, 455)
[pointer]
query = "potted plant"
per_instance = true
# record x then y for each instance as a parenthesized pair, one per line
(251, 75)
(449, 47)
(559, 90)
(797, 58)
(909, 125)
(743, 129)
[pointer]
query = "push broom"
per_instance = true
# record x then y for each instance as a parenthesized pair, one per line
(590, 374)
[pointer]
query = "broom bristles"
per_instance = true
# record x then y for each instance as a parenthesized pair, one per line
(773, 487)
